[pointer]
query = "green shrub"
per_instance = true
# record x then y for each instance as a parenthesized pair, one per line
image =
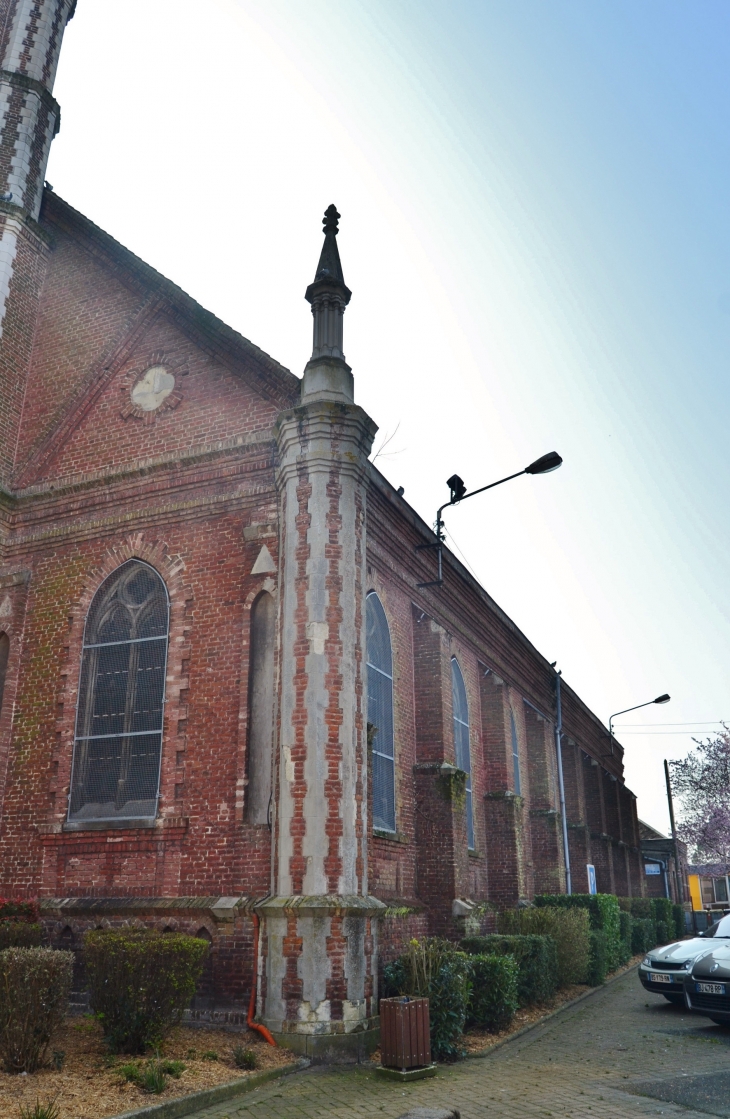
(47, 1110)
(569, 929)
(494, 999)
(664, 931)
(641, 907)
(19, 934)
(598, 963)
(680, 928)
(662, 910)
(624, 904)
(140, 982)
(434, 969)
(151, 1076)
(536, 958)
(625, 944)
(643, 935)
(34, 989)
(209, 1055)
(244, 1058)
(26, 911)
(603, 910)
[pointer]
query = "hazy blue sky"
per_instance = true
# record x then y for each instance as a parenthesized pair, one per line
(536, 231)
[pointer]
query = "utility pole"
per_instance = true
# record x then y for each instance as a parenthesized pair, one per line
(680, 891)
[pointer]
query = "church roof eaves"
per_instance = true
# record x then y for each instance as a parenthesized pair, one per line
(56, 211)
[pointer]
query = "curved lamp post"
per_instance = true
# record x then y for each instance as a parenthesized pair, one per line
(659, 699)
(457, 487)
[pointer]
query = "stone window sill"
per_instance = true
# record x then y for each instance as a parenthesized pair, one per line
(392, 836)
(108, 825)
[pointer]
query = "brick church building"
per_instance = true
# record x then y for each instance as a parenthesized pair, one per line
(226, 704)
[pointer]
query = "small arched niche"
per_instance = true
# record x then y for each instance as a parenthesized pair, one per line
(4, 655)
(261, 708)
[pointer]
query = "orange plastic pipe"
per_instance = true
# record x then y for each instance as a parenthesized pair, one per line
(252, 1004)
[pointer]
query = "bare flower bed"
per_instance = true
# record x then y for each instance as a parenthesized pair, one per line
(90, 1084)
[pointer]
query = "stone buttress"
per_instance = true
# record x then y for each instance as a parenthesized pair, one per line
(320, 986)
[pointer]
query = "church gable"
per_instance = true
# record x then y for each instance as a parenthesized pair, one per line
(127, 368)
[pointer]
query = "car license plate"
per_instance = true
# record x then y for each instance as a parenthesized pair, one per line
(661, 979)
(710, 988)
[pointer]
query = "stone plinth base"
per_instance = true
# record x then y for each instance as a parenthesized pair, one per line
(406, 1074)
(332, 1049)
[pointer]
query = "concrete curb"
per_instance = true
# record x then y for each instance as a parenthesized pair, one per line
(553, 1013)
(197, 1101)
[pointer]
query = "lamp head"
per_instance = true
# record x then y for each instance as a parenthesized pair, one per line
(545, 464)
(662, 699)
(457, 487)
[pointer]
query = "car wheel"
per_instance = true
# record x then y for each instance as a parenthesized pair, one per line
(676, 1000)
(719, 1021)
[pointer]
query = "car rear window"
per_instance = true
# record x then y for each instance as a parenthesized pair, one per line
(723, 927)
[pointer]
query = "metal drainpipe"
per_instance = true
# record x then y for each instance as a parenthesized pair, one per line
(559, 751)
(663, 865)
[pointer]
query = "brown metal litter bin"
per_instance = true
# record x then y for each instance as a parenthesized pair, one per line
(405, 1039)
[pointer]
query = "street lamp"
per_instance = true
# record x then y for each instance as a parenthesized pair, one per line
(457, 488)
(659, 699)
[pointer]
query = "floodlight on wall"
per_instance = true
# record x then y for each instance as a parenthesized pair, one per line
(659, 699)
(458, 492)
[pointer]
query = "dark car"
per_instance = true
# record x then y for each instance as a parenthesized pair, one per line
(707, 984)
(664, 970)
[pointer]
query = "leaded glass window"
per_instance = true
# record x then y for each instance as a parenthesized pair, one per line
(118, 743)
(515, 755)
(380, 713)
(461, 741)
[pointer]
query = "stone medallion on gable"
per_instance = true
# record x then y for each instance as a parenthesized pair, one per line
(151, 389)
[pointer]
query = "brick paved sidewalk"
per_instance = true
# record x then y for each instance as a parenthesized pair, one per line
(585, 1062)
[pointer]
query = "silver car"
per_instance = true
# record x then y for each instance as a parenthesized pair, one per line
(707, 984)
(664, 970)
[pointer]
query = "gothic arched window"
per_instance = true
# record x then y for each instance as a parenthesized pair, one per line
(118, 743)
(4, 653)
(380, 713)
(461, 741)
(515, 755)
(261, 709)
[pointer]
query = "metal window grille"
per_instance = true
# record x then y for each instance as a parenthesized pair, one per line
(380, 713)
(119, 717)
(461, 741)
(515, 755)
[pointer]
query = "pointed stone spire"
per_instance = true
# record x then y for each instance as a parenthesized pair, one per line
(327, 375)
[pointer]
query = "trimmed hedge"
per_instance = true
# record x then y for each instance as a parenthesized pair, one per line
(34, 989)
(603, 910)
(19, 934)
(643, 935)
(664, 932)
(598, 964)
(642, 907)
(436, 970)
(626, 931)
(140, 982)
(569, 928)
(680, 927)
(27, 911)
(662, 910)
(494, 999)
(536, 957)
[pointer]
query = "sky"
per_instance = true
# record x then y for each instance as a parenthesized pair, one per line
(536, 233)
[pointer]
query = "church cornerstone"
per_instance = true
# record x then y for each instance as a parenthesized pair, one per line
(320, 989)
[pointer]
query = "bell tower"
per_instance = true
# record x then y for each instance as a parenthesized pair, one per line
(31, 32)
(321, 923)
